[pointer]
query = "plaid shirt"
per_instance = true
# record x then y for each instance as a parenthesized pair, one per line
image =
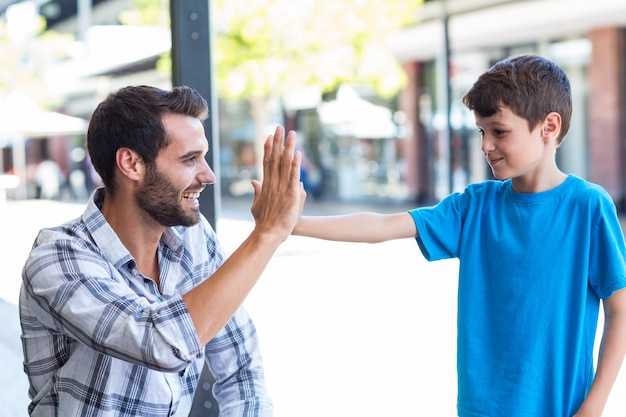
(100, 339)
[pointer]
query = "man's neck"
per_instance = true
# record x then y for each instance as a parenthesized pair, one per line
(137, 231)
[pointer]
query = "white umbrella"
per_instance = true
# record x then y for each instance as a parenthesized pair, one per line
(21, 118)
(351, 116)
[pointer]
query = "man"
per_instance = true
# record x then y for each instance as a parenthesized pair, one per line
(120, 307)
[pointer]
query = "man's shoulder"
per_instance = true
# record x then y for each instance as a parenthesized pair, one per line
(73, 230)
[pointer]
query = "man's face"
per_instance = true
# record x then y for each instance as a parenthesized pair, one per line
(171, 187)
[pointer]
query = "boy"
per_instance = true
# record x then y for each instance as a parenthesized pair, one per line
(538, 250)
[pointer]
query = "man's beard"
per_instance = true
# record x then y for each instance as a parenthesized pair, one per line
(161, 200)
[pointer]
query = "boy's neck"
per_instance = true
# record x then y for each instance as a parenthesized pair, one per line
(539, 183)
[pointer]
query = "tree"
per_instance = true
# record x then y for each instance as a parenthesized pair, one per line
(268, 48)
(25, 51)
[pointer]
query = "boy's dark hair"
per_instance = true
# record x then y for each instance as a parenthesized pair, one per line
(530, 85)
(132, 118)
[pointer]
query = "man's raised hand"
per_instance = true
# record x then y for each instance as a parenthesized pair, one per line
(279, 200)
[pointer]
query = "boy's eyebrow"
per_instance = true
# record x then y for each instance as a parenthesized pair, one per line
(491, 123)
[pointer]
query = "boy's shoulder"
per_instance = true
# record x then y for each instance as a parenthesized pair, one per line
(573, 192)
(486, 187)
(573, 183)
(586, 190)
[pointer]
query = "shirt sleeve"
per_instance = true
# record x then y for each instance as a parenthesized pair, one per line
(607, 269)
(72, 290)
(234, 358)
(439, 227)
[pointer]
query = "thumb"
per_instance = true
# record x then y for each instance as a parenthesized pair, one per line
(256, 186)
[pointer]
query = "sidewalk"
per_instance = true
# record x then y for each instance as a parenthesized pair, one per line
(346, 329)
(21, 220)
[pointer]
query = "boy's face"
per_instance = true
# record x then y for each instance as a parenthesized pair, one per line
(511, 149)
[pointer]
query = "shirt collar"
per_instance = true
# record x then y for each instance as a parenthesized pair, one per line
(107, 240)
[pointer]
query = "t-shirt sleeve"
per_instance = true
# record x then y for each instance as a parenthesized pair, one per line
(607, 262)
(439, 227)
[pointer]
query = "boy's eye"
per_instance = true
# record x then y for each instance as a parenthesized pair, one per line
(494, 132)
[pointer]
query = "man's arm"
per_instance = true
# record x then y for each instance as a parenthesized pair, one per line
(276, 208)
(612, 350)
(358, 227)
(235, 361)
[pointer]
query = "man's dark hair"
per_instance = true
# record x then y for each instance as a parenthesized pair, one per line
(132, 118)
(530, 85)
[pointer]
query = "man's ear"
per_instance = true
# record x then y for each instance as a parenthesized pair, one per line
(130, 164)
(551, 125)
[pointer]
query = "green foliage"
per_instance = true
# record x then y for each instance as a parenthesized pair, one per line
(147, 12)
(271, 47)
(23, 59)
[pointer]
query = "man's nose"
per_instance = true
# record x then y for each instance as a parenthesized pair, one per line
(207, 176)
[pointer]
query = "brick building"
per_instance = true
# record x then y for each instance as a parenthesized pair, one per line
(456, 41)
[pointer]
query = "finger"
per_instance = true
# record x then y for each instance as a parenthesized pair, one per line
(290, 142)
(279, 137)
(302, 197)
(256, 187)
(288, 156)
(267, 153)
(294, 175)
(277, 151)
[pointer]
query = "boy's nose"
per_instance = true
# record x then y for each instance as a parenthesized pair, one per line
(487, 145)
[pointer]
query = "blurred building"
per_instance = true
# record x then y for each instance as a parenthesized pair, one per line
(104, 57)
(428, 145)
(456, 40)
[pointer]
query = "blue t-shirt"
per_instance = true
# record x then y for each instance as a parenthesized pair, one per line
(533, 268)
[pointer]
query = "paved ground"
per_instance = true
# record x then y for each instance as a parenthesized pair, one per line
(347, 329)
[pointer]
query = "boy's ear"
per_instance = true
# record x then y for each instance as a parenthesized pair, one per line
(551, 125)
(129, 163)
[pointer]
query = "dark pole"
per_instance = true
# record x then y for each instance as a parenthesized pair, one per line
(192, 65)
(448, 100)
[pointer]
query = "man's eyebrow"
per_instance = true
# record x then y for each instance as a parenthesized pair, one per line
(191, 154)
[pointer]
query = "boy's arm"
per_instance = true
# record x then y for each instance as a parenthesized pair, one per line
(364, 227)
(612, 350)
